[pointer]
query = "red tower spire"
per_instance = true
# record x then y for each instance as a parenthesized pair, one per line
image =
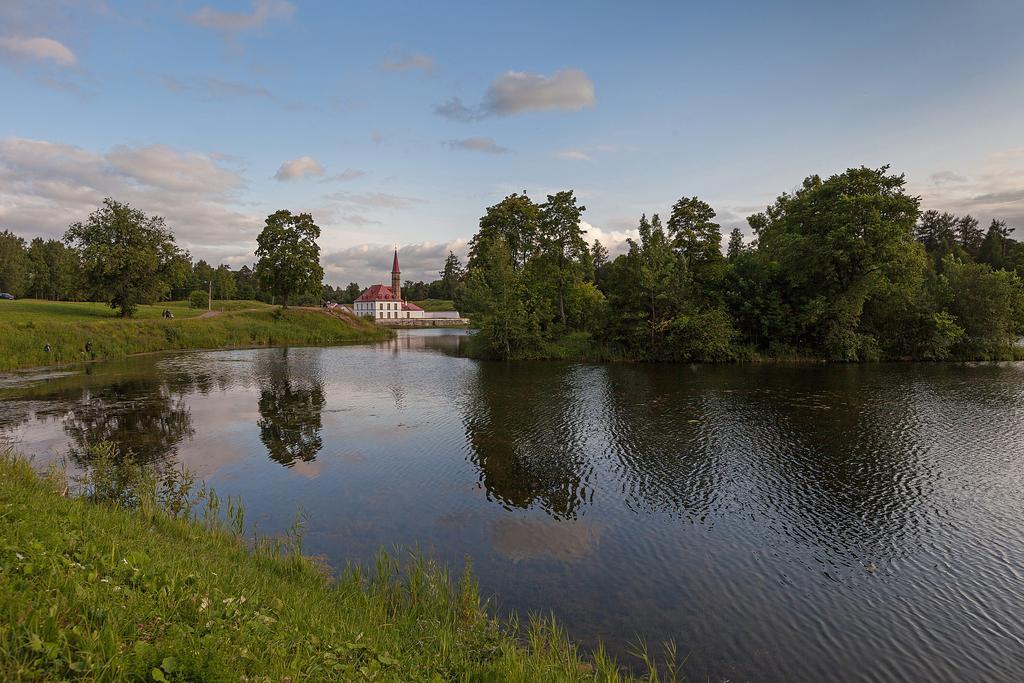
(396, 277)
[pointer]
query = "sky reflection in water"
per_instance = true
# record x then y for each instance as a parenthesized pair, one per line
(779, 522)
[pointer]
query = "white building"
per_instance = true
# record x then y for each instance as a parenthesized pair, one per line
(385, 303)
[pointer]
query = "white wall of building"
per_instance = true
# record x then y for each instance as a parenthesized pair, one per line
(384, 310)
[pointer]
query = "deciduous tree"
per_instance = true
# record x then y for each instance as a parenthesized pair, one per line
(288, 255)
(125, 255)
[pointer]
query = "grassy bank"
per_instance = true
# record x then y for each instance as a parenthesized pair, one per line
(28, 310)
(23, 337)
(97, 591)
(433, 305)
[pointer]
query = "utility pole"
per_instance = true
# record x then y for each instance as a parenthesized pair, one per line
(209, 298)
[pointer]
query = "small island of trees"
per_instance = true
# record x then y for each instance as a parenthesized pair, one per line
(846, 268)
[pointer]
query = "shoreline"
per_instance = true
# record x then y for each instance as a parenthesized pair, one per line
(158, 582)
(24, 343)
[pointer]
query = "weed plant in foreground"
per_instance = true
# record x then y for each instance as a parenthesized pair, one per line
(126, 574)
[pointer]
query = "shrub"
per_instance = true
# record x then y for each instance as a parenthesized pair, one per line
(199, 299)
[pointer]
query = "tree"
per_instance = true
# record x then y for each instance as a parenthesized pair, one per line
(835, 243)
(987, 304)
(288, 255)
(645, 289)
(694, 233)
(562, 248)
(496, 294)
(125, 255)
(516, 219)
(246, 284)
(13, 264)
(599, 257)
(52, 270)
(452, 275)
(223, 283)
(180, 277)
(735, 244)
(996, 245)
(352, 293)
(938, 233)
(969, 235)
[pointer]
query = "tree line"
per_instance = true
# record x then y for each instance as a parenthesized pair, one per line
(124, 257)
(845, 268)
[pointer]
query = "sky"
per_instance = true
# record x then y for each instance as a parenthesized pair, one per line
(398, 123)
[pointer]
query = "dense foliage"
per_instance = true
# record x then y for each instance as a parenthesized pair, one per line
(289, 257)
(57, 270)
(126, 256)
(845, 268)
(123, 257)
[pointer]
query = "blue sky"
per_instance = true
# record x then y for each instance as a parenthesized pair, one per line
(400, 122)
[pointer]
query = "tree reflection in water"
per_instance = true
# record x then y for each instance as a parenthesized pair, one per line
(525, 438)
(142, 417)
(291, 405)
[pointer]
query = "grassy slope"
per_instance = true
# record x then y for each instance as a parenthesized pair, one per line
(95, 592)
(432, 305)
(22, 341)
(25, 310)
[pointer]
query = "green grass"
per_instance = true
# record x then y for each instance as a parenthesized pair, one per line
(95, 591)
(24, 310)
(23, 341)
(432, 305)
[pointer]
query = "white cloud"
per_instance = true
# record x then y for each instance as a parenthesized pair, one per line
(515, 92)
(41, 49)
(575, 154)
(477, 144)
(405, 61)
(45, 186)
(613, 240)
(160, 166)
(262, 12)
(299, 168)
(375, 200)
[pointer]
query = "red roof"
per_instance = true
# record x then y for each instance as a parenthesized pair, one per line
(395, 268)
(377, 293)
(406, 306)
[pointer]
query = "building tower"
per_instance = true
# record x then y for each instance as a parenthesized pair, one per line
(396, 278)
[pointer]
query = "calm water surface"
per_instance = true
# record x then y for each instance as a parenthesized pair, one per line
(779, 523)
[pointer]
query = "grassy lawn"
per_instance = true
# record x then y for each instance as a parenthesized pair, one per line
(96, 591)
(435, 305)
(23, 337)
(23, 310)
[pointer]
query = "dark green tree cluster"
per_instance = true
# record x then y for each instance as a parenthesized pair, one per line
(845, 268)
(121, 256)
(530, 279)
(41, 269)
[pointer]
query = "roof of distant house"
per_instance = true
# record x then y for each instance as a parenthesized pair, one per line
(377, 293)
(406, 306)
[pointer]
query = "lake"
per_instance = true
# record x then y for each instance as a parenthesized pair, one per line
(778, 522)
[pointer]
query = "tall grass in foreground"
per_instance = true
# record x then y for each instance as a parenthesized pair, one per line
(22, 343)
(125, 576)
